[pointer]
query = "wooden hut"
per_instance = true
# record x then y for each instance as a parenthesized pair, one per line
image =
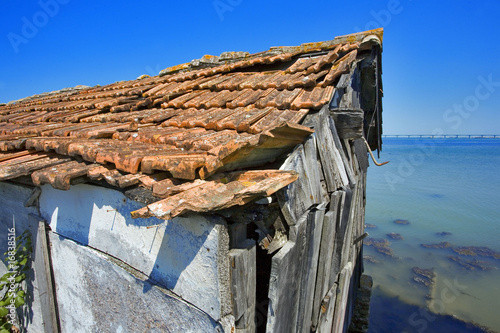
(223, 195)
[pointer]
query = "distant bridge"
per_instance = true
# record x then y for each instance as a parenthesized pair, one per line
(444, 136)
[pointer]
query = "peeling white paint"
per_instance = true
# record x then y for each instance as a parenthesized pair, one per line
(95, 295)
(180, 254)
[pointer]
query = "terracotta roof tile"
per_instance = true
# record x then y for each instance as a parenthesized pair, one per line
(212, 82)
(236, 189)
(233, 82)
(60, 175)
(313, 98)
(159, 115)
(247, 97)
(300, 65)
(185, 118)
(223, 98)
(283, 99)
(201, 101)
(339, 68)
(178, 102)
(196, 120)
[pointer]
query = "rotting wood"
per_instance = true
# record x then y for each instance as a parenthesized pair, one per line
(324, 264)
(349, 123)
(35, 194)
(360, 151)
(347, 247)
(330, 155)
(341, 149)
(46, 292)
(296, 198)
(243, 279)
(309, 274)
(327, 310)
(312, 168)
(284, 292)
(342, 298)
(341, 229)
(345, 107)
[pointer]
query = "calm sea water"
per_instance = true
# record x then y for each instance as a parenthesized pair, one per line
(438, 185)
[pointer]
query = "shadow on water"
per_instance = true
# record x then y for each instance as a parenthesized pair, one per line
(391, 315)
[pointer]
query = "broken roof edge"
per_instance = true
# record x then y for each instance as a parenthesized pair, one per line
(364, 37)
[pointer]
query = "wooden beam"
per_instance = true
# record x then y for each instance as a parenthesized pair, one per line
(309, 273)
(243, 286)
(284, 284)
(44, 277)
(296, 198)
(324, 264)
(342, 298)
(327, 310)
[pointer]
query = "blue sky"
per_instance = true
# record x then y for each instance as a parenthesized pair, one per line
(441, 59)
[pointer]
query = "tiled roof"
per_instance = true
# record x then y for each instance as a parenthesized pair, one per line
(193, 121)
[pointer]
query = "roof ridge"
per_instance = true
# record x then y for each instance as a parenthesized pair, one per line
(229, 57)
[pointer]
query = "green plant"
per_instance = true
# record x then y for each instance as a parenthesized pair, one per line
(17, 260)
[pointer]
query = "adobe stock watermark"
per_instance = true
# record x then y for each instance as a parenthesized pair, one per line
(454, 117)
(383, 17)
(456, 114)
(421, 319)
(406, 168)
(153, 71)
(223, 6)
(30, 26)
(13, 269)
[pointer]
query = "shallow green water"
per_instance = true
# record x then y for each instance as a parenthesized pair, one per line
(450, 185)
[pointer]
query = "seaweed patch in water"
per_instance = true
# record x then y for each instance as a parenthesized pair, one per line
(423, 276)
(394, 235)
(380, 245)
(402, 222)
(443, 233)
(371, 259)
(442, 245)
(471, 264)
(482, 251)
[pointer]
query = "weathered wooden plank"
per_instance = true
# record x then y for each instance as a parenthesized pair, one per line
(361, 154)
(312, 168)
(340, 147)
(348, 153)
(346, 95)
(243, 279)
(284, 286)
(349, 123)
(342, 298)
(314, 231)
(330, 155)
(340, 232)
(296, 198)
(237, 234)
(44, 281)
(324, 263)
(327, 310)
(348, 248)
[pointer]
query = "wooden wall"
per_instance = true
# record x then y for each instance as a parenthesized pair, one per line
(315, 275)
